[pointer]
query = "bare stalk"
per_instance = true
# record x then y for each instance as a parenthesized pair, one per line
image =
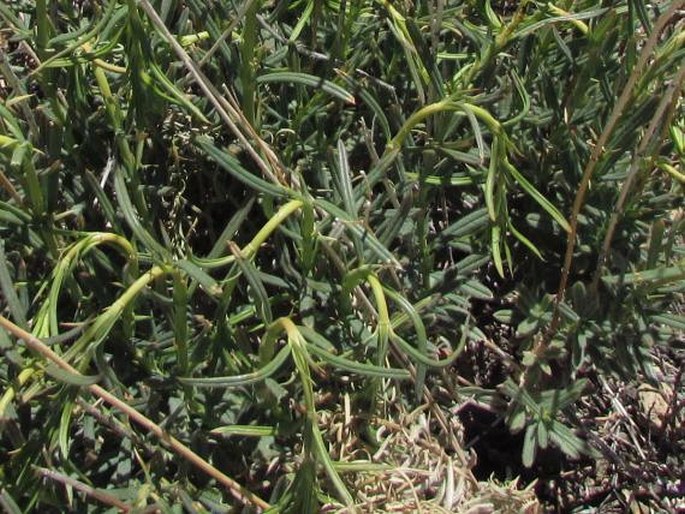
(98, 494)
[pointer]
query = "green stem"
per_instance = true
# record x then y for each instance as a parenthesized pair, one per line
(383, 317)
(103, 324)
(42, 28)
(271, 225)
(247, 68)
(115, 118)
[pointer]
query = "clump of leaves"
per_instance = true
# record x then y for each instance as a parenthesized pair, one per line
(218, 219)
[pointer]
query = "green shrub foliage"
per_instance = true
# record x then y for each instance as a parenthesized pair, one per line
(235, 216)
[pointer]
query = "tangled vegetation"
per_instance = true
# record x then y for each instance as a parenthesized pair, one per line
(307, 256)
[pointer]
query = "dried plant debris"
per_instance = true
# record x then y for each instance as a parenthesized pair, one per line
(641, 439)
(414, 469)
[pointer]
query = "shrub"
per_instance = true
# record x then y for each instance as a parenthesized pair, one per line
(223, 223)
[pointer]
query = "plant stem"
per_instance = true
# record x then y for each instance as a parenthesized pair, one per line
(236, 489)
(597, 151)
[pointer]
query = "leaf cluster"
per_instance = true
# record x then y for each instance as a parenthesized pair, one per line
(231, 216)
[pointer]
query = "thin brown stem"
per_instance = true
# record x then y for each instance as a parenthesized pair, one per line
(597, 151)
(226, 109)
(97, 494)
(236, 489)
(660, 114)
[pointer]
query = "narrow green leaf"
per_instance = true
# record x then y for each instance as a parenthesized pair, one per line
(96, 30)
(11, 214)
(492, 176)
(232, 166)
(518, 235)
(308, 80)
(566, 397)
(509, 388)
(209, 284)
(104, 200)
(257, 291)
(517, 418)
(68, 377)
(467, 225)
(360, 368)
(421, 358)
(241, 214)
(132, 217)
(538, 197)
(496, 247)
(241, 380)
(653, 277)
(525, 101)
(426, 56)
(175, 95)
(504, 316)
(676, 321)
(584, 15)
(455, 179)
(421, 337)
(478, 134)
(369, 100)
(245, 430)
(8, 503)
(309, 242)
(472, 262)
(543, 435)
(465, 157)
(566, 440)
(12, 124)
(476, 289)
(324, 458)
(345, 182)
(529, 445)
(65, 428)
(302, 21)
(656, 236)
(16, 308)
(357, 229)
